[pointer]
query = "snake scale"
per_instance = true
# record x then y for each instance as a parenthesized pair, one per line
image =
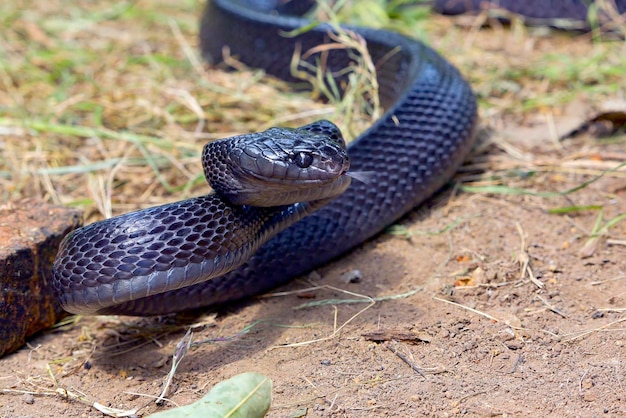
(409, 153)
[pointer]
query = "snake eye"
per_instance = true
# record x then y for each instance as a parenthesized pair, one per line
(303, 159)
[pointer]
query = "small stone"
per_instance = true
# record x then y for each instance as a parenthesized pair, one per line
(353, 276)
(513, 345)
(491, 276)
(160, 362)
(298, 413)
(506, 334)
(587, 397)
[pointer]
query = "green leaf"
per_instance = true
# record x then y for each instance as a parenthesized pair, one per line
(245, 395)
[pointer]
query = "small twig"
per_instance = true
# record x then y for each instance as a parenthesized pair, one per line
(486, 315)
(580, 381)
(189, 52)
(336, 330)
(107, 410)
(519, 361)
(486, 285)
(524, 259)
(332, 404)
(496, 319)
(551, 307)
(228, 338)
(471, 395)
(604, 327)
(554, 136)
(29, 392)
(351, 301)
(405, 359)
(616, 242)
(179, 353)
(599, 282)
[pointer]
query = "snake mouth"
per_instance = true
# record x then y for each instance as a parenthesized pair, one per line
(283, 174)
(260, 184)
(287, 192)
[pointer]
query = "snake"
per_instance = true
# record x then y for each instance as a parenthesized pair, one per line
(209, 250)
(217, 248)
(562, 14)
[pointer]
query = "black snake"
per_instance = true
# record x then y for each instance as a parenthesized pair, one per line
(178, 256)
(138, 263)
(564, 14)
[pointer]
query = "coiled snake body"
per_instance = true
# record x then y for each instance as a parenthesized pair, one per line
(409, 153)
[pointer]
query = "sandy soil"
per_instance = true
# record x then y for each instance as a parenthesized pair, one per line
(461, 330)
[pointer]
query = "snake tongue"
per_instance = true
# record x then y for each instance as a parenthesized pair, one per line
(365, 177)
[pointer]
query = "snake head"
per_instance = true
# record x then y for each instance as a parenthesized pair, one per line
(279, 166)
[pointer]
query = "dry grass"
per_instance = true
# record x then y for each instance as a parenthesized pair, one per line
(94, 114)
(107, 108)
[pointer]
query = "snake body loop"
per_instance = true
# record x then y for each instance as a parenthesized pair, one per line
(410, 152)
(564, 14)
(148, 252)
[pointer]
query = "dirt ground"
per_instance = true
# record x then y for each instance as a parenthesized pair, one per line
(493, 307)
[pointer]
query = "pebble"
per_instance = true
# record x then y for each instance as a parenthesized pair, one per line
(513, 345)
(353, 276)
